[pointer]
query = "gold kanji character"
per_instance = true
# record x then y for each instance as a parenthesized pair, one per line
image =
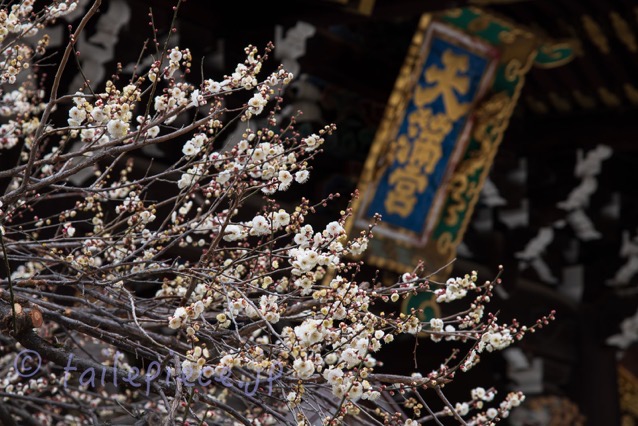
(401, 198)
(448, 82)
(401, 150)
(426, 153)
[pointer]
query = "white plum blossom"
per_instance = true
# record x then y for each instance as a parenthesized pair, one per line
(198, 309)
(260, 225)
(117, 128)
(223, 176)
(189, 178)
(76, 116)
(303, 368)
(256, 104)
(478, 393)
(280, 219)
(197, 99)
(98, 115)
(153, 131)
(334, 229)
(351, 357)
(462, 408)
(213, 87)
(495, 340)
(436, 324)
(147, 217)
(69, 229)
(285, 179)
(302, 176)
(176, 320)
(358, 247)
(189, 150)
(304, 237)
(234, 232)
(312, 142)
(175, 55)
(456, 288)
(194, 146)
(333, 375)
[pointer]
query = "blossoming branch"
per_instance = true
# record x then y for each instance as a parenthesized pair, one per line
(107, 253)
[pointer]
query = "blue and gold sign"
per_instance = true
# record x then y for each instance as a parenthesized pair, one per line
(441, 129)
(424, 134)
(428, 136)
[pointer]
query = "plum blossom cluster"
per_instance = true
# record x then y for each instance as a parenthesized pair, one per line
(197, 262)
(21, 100)
(484, 415)
(18, 22)
(493, 414)
(456, 288)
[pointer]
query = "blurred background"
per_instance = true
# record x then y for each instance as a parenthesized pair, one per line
(557, 205)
